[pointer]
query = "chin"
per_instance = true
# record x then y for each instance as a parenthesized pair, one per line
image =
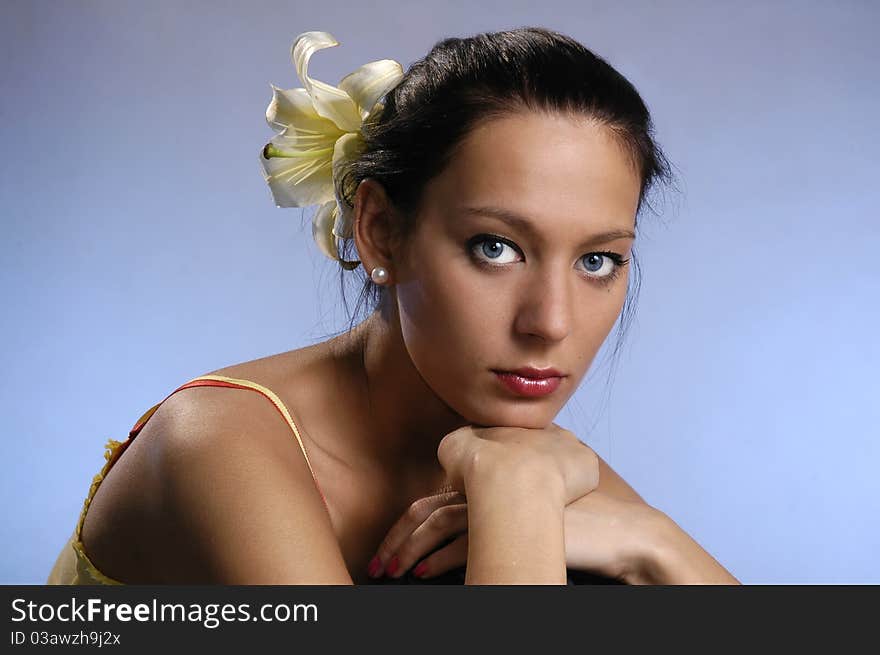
(511, 414)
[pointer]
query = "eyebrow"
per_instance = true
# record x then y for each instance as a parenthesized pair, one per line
(521, 222)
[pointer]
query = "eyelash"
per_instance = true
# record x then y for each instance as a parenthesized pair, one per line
(605, 280)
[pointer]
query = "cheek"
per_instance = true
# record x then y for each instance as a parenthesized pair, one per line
(607, 306)
(598, 317)
(446, 316)
(455, 330)
(596, 311)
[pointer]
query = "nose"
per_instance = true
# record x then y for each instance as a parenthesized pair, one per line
(545, 310)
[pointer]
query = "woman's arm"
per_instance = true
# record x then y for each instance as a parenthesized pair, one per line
(610, 531)
(517, 482)
(515, 520)
(660, 552)
(672, 557)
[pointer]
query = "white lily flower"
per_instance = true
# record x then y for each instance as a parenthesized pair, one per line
(319, 126)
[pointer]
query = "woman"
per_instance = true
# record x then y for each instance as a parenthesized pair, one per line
(491, 193)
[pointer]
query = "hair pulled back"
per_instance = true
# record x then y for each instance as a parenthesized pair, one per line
(462, 82)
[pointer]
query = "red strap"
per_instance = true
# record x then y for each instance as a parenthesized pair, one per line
(193, 383)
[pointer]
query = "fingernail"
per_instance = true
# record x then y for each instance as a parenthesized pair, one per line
(375, 567)
(392, 565)
(420, 569)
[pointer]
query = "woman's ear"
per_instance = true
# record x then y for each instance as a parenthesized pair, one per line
(373, 217)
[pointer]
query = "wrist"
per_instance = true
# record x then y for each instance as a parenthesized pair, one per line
(515, 475)
(516, 529)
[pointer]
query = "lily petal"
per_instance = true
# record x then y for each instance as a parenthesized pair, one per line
(370, 82)
(292, 110)
(330, 102)
(297, 177)
(322, 225)
(347, 148)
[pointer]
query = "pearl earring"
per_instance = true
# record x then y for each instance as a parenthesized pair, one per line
(379, 275)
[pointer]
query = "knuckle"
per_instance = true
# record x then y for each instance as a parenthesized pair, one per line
(443, 518)
(569, 435)
(452, 497)
(591, 457)
(457, 435)
(416, 511)
(451, 442)
(445, 442)
(558, 429)
(586, 446)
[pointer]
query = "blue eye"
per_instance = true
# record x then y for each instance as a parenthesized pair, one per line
(592, 258)
(492, 249)
(489, 248)
(596, 262)
(603, 266)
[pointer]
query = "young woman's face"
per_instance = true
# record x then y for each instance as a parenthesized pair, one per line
(514, 263)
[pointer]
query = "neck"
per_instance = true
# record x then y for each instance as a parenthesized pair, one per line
(404, 419)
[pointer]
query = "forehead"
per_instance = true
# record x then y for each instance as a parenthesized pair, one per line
(545, 166)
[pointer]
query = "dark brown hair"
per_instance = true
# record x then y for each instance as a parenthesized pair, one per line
(464, 81)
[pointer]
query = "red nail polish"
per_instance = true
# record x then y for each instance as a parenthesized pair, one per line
(420, 569)
(375, 567)
(392, 565)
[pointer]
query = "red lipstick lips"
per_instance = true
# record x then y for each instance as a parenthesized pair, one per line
(531, 382)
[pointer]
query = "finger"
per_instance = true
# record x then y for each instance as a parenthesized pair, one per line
(443, 523)
(413, 517)
(447, 558)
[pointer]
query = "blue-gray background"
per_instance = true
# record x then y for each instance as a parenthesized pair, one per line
(140, 248)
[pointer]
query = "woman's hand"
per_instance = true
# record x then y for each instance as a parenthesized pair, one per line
(473, 450)
(473, 453)
(427, 524)
(604, 535)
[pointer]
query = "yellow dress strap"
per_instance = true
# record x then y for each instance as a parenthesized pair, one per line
(279, 405)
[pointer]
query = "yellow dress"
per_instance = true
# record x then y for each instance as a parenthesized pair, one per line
(73, 566)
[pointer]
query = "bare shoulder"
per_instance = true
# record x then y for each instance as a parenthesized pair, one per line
(228, 495)
(239, 494)
(612, 484)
